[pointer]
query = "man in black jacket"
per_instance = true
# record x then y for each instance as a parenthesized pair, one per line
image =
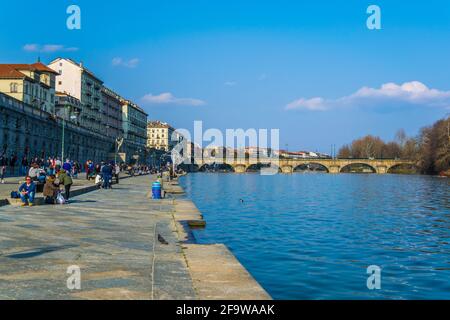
(107, 172)
(3, 164)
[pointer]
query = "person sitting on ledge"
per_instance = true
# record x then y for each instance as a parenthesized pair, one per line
(33, 173)
(50, 190)
(27, 191)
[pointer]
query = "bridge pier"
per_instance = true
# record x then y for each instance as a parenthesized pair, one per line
(287, 169)
(334, 169)
(381, 169)
(240, 168)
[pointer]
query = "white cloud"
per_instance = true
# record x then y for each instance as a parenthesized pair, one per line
(169, 98)
(132, 63)
(314, 104)
(389, 94)
(230, 83)
(48, 48)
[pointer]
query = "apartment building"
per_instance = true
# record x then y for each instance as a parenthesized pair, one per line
(33, 84)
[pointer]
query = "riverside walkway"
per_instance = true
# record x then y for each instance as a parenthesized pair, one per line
(114, 237)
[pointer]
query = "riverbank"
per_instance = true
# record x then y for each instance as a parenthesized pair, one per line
(126, 246)
(216, 273)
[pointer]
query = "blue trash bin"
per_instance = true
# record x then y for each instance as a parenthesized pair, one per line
(156, 190)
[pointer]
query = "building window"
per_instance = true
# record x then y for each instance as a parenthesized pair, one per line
(14, 87)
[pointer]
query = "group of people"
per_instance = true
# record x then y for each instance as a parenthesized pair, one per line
(35, 165)
(28, 189)
(54, 174)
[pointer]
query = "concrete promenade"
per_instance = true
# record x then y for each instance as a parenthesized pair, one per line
(116, 238)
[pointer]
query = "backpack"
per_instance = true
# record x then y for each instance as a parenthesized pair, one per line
(15, 195)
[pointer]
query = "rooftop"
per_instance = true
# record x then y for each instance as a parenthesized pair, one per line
(158, 124)
(12, 70)
(80, 65)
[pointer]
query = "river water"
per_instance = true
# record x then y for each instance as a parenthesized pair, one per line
(312, 236)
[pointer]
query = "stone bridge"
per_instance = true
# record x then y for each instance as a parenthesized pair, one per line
(380, 166)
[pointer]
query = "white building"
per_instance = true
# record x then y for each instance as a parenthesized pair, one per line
(162, 136)
(77, 81)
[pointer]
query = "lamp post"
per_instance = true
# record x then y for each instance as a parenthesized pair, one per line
(63, 133)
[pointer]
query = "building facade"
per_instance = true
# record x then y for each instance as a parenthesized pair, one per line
(33, 84)
(36, 101)
(25, 131)
(68, 108)
(162, 136)
(79, 82)
(134, 124)
(112, 110)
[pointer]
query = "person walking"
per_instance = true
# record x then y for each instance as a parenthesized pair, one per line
(117, 172)
(86, 169)
(24, 166)
(12, 163)
(107, 172)
(3, 164)
(67, 166)
(90, 171)
(27, 192)
(76, 169)
(66, 181)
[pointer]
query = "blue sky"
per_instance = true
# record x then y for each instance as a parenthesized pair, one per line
(255, 64)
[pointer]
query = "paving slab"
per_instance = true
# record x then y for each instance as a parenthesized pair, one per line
(111, 235)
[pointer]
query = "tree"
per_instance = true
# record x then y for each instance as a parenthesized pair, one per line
(366, 147)
(391, 150)
(430, 150)
(410, 149)
(401, 137)
(434, 150)
(345, 152)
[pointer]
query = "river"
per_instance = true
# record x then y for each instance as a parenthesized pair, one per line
(312, 236)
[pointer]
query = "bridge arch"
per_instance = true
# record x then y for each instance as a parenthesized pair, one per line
(188, 167)
(404, 167)
(256, 167)
(217, 167)
(359, 167)
(311, 166)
